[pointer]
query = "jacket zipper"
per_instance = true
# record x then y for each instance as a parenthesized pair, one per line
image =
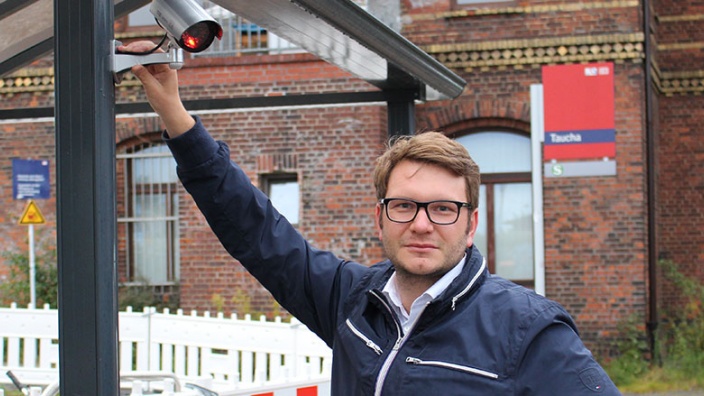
(400, 339)
(466, 369)
(369, 343)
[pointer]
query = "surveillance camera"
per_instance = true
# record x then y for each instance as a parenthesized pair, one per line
(187, 23)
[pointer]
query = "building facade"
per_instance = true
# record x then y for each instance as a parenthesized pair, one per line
(601, 237)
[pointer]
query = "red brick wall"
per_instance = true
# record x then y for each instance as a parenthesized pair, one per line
(681, 188)
(434, 25)
(596, 228)
(334, 149)
(680, 143)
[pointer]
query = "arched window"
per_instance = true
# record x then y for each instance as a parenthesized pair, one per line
(505, 231)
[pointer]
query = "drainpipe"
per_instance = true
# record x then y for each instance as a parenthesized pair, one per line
(653, 320)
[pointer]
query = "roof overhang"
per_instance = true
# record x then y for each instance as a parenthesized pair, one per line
(27, 30)
(338, 31)
(344, 34)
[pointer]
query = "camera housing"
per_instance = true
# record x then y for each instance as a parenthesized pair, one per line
(186, 23)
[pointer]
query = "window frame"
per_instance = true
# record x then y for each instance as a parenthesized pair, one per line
(128, 192)
(489, 180)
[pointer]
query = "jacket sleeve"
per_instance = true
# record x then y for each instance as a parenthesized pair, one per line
(307, 282)
(557, 363)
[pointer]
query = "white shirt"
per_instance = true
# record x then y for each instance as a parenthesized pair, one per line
(407, 319)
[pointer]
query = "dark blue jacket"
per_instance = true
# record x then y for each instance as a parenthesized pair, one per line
(483, 336)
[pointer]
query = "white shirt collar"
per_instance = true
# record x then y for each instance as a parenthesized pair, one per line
(407, 319)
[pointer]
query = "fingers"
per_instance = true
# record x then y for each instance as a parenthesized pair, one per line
(153, 87)
(141, 72)
(148, 75)
(138, 46)
(152, 76)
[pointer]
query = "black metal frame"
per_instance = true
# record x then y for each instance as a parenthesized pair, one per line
(86, 209)
(401, 106)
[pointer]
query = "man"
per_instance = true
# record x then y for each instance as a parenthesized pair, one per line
(430, 319)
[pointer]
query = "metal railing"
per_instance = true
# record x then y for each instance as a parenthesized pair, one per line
(241, 37)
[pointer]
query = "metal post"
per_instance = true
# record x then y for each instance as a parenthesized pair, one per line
(401, 112)
(32, 269)
(86, 210)
(536, 140)
(401, 118)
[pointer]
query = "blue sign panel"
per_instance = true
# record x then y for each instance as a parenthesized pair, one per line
(30, 179)
(584, 136)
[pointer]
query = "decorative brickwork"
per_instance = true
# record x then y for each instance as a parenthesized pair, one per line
(538, 52)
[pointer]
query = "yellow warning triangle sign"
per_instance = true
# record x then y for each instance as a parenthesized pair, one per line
(31, 214)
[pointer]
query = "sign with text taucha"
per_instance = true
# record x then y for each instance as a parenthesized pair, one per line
(579, 112)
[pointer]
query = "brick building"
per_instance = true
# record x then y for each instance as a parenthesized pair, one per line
(602, 235)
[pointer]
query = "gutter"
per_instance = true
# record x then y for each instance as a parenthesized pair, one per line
(650, 132)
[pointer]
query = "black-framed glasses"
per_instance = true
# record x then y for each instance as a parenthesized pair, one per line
(442, 212)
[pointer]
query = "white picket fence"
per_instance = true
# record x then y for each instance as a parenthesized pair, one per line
(227, 351)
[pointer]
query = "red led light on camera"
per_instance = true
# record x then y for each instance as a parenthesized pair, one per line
(199, 36)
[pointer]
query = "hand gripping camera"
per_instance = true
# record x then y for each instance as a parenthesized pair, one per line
(186, 24)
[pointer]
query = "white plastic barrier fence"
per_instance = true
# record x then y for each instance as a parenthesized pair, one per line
(232, 353)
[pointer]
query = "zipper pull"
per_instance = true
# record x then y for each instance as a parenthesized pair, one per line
(413, 360)
(374, 347)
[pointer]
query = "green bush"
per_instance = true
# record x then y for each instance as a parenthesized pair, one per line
(681, 335)
(16, 287)
(678, 361)
(630, 363)
(142, 294)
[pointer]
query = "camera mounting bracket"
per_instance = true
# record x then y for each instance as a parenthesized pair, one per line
(122, 62)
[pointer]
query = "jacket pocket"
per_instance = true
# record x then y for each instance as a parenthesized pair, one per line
(452, 366)
(369, 343)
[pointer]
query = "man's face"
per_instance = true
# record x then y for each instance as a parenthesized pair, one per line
(422, 249)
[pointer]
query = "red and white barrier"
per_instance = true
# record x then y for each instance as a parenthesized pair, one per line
(320, 387)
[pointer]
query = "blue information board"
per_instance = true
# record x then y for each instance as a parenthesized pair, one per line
(30, 179)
